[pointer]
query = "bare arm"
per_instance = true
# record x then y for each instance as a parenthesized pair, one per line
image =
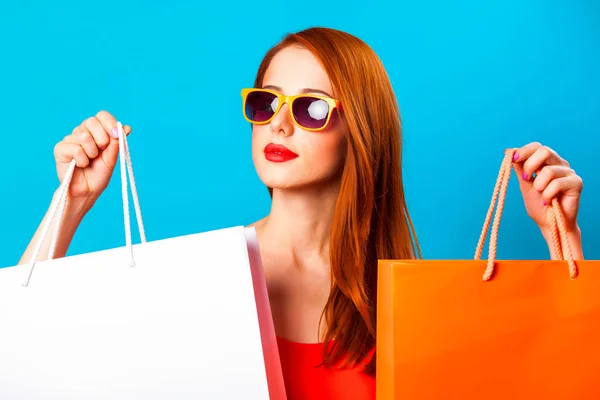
(574, 239)
(75, 210)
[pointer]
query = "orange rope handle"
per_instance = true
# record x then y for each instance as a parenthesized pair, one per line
(562, 230)
(499, 196)
(555, 235)
(505, 174)
(490, 212)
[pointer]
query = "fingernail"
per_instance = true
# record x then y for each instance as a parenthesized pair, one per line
(524, 176)
(544, 202)
(515, 156)
(114, 133)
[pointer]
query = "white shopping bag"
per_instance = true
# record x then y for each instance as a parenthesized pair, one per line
(189, 319)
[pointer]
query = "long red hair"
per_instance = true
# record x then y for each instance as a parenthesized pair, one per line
(371, 219)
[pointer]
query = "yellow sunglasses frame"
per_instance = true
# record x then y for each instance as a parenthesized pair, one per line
(333, 104)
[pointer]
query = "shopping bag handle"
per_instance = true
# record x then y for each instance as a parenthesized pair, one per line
(57, 207)
(556, 216)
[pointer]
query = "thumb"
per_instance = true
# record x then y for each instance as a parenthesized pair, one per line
(525, 184)
(111, 153)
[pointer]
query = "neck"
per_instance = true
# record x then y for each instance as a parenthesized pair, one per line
(300, 221)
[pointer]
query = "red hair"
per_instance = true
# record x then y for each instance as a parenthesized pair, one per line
(371, 219)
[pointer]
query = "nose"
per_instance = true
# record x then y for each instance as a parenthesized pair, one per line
(282, 123)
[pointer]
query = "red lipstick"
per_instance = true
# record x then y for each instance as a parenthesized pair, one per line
(279, 153)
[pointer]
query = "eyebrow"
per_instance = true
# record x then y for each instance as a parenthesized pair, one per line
(305, 90)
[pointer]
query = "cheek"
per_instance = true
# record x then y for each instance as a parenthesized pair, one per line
(260, 138)
(324, 151)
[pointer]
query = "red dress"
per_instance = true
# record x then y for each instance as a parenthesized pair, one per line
(305, 381)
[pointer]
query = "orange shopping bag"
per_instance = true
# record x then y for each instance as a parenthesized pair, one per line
(490, 329)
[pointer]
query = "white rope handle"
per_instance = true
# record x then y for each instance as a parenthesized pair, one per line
(57, 207)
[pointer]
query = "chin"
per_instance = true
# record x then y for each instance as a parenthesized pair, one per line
(279, 180)
(294, 175)
(274, 173)
(296, 182)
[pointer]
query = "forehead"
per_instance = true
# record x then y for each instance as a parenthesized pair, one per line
(294, 69)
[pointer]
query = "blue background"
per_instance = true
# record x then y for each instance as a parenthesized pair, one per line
(472, 78)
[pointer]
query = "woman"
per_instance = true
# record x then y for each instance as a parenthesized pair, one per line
(332, 161)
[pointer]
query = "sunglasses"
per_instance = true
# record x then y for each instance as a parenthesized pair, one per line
(310, 112)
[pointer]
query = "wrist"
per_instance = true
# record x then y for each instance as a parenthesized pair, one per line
(573, 236)
(572, 231)
(75, 208)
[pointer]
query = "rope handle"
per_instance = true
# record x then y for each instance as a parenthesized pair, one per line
(557, 230)
(57, 207)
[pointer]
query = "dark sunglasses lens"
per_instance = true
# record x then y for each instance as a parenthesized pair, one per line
(310, 112)
(260, 106)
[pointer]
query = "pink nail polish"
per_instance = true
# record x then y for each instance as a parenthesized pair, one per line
(544, 203)
(524, 176)
(114, 133)
(515, 156)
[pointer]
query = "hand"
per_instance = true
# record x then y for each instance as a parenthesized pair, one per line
(554, 178)
(95, 147)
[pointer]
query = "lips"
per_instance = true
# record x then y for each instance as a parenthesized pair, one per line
(279, 153)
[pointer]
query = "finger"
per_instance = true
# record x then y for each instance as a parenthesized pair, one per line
(112, 151)
(520, 156)
(64, 152)
(543, 155)
(78, 128)
(549, 173)
(524, 184)
(98, 132)
(523, 153)
(568, 185)
(108, 122)
(85, 140)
